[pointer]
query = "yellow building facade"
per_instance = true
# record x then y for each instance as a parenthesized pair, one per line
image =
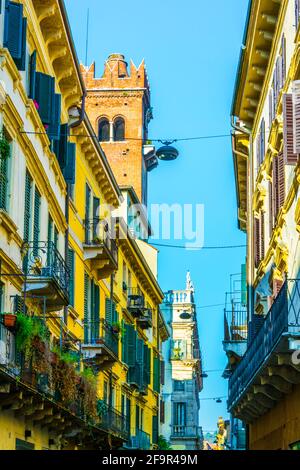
(264, 385)
(81, 328)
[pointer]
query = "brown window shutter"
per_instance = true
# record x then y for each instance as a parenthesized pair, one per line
(162, 372)
(290, 157)
(271, 214)
(281, 181)
(256, 241)
(162, 411)
(262, 236)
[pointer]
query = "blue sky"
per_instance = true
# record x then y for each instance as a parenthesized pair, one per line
(191, 51)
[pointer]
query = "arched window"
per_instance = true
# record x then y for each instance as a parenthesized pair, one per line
(103, 130)
(119, 129)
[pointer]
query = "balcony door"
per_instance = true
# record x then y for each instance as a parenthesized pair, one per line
(179, 418)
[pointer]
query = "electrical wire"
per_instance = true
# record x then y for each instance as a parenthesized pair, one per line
(225, 247)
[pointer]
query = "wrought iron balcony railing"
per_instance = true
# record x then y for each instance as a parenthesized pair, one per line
(100, 333)
(113, 421)
(235, 323)
(43, 260)
(135, 300)
(145, 320)
(183, 431)
(282, 319)
(140, 441)
(97, 233)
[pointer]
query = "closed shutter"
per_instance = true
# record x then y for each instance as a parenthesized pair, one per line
(155, 430)
(140, 362)
(32, 75)
(36, 219)
(13, 29)
(162, 372)
(125, 342)
(21, 62)
(69, 169)
(296, 118)
(27, 207)
(290, 157)
(283, 58)
(53, 130)
(262, 140)
(278, 183)
(55, 238)
(271, 116)
(131, 346)
(86, 307)
(271, 216)
(258, 149)
(60, 147)
(147, 366)
(96, 311)
(109, 311)
(297, 12)
(162, 412)
(256, 241)
(71, 266)
(156, 374)
(3, 183)
(44, 91)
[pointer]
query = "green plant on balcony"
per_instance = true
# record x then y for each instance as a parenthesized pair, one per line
(31, 336)
(163, 444)
(118, 329)
(4, 147)
(64, 376)
(88, 386)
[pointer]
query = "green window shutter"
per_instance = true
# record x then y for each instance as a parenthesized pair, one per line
(69, 169)
(44, 91)
(3, 183)
(86, 308)
(36, 217)
(146, 369)
(21, 62)
(154, 429)
(60, 147)
(53, 130)
(156, 374)
(27, 206)
(87, 201)
(131, 351)
(140, 362)
(71, 265)
(97, 304)
(32, 75)
(110, 313)
(13, 29)
(55, 238)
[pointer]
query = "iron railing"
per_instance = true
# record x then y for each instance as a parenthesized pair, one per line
(42, 259)
(113, 421)
(97, 233)
(101, 333)
(283, 317)
(140, 441)
(135, 299)
(186, 431)
(235, 323)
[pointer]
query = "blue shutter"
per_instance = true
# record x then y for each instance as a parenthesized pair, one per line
(53, 130)
(44, 91)
(36, 220)
(3, 183)
(60, 147)
(96, 311)
(21, 62)
(125, 342)
(27, 207)
(108, 311)
(32, 75)
(69, 169)
(13, 29)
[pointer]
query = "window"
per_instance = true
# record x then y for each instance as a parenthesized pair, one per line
(4, 178)
(124, 278)
(103, 131)
(105, 392)
(179, 418)
(71, 266)
(297, 13)
(1, 296)
(15, 29)
(178, 385)
(91, 310)
(27, 207)
(119, 129)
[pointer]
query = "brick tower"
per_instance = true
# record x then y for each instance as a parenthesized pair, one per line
(118, 106)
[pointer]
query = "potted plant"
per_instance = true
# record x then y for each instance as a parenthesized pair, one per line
(4, 147)
(116, 327)
(9, 320)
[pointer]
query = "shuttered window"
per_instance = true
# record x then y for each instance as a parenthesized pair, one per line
(15, 27)
(44, 91)
(162, 372)
(86, 307)
(69, 169)
(271, 209)
(3, 183)
(283, 59)
(131, 354)
(278, 184)
(27, 207)
(53, 130)
(156, 374)
(262, 236)
(32, 75)
(297, 13)
(290, 157)
(260, 144)
(162, 412)
(60, 147)
(36, 219)
(109, 309)
(71, 266)
(147, 366)
(154, 429)
(256, 241)
(140, 362)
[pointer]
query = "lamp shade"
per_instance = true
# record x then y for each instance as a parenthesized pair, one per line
(167, 152)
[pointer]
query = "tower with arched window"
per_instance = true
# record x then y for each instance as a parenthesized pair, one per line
(118, 105)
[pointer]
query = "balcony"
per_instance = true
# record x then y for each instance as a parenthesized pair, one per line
(186, 432)
(113, 421)
(135, 301)
(235, 333)
(100, 345)
(46, 274)
(100, 248)
(267, 371)
(145, 321)
(141, 441)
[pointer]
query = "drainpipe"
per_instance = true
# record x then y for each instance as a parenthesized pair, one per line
(71, 126)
